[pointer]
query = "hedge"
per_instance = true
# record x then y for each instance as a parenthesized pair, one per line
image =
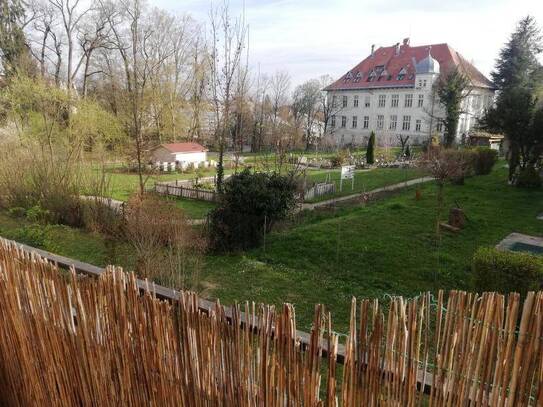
(506, 271)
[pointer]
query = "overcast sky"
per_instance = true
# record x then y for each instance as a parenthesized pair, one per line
(310, 38)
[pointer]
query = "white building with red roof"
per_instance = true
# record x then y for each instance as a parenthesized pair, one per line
(188, 153)
(391, 93)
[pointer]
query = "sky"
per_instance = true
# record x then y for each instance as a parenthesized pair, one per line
(312, 38)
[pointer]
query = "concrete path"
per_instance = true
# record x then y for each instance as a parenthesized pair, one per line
(393, 187)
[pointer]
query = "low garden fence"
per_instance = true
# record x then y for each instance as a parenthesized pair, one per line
(71, 341)
(319, 190)
(185, 192)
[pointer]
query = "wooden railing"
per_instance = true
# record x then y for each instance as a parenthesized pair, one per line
(184, 192)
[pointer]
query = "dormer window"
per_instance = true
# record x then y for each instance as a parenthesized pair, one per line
(371, 76)
(401, 74)
(348, 77)
(358, 77)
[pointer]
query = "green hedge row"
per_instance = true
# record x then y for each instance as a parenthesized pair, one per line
(505, 271)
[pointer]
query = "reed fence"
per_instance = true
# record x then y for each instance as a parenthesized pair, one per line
(67, 340)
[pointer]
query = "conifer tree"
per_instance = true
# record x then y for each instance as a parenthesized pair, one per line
(370, 159)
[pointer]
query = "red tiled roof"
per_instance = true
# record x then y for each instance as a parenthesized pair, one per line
(184, 147)
(407, 58)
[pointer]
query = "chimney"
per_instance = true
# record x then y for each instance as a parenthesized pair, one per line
(372, 49)
(397, 48)
(406, 42)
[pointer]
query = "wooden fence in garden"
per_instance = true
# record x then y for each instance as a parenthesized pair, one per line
(318, 190)
(66, 340)
(184, 192)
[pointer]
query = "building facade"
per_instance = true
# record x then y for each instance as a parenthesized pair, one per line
(392, 93)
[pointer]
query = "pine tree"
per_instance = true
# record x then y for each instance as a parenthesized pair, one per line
(370, 159)
(12, 39)
(518, 76)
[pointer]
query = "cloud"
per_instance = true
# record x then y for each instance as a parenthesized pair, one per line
(314, 37)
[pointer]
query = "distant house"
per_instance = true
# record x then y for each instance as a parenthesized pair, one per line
(188, 153)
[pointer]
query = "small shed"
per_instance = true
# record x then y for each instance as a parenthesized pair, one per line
(480, 138)
(188, 153)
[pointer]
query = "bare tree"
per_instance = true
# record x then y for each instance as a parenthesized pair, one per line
(71, 12)
(228, 42)
(306, 107)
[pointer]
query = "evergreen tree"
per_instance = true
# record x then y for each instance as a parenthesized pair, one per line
(451, 91)
(12, 39)
(519, 77)
(370, 159)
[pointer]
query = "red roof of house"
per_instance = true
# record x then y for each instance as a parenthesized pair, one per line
(392, 61)
(184, 147)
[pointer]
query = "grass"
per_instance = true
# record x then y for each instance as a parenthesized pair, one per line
(123, 185)
(386, 248)
(364, 180)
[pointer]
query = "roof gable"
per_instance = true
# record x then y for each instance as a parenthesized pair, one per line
(399, 63)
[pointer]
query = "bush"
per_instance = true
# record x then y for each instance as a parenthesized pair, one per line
(340, 158)
(504, 271)
(17, 212)
(484, 160)
(167, 248)
(250, 204)
(32, 235)
(528, 178)
(370, 153)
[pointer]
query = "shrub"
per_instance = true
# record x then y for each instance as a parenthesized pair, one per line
(250, 204)
(505, 271)
(370, 153)
(17, 212)
(167, 249)
(340, 158)
(32, 235)
(484, 160)
(528, 178)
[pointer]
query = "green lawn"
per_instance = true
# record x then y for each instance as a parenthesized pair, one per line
(123, 185)
(386, 248)
(364, 180)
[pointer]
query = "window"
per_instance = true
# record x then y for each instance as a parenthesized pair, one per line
(421, 101)
(424, 83)
(393, 122)
(345, 101)
(371, 76)
(355, 122)
(358, 77)
(367, 100)
(394, 100)
(382, 100)
(334, 101)
(343, 122)
(380, 121)
(366, 122)
(406, 125)
(355, 101)
(408, 100)
(418, 125)
(439, 127)
(401, 74)
(333, 121)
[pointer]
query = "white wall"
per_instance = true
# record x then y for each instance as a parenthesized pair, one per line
(475, 103)
(191, 157)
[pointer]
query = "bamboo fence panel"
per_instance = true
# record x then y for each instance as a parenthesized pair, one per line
(67, 340)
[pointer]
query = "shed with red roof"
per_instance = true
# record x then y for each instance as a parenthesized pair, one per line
(180, 152)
